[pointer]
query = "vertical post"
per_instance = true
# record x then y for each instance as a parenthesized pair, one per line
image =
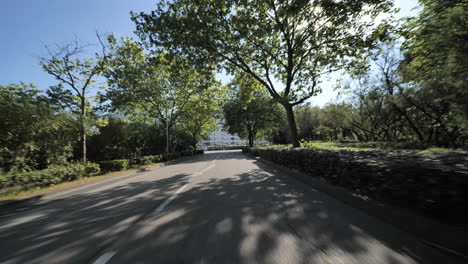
(167, 134)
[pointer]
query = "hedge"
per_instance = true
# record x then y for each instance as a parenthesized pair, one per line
(224, 147)
(114, 165)
(56, 174)
(436, 186)
(53, 175)
(146, 160)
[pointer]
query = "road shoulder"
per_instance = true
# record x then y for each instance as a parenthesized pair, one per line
(35, 198)
(443, 237)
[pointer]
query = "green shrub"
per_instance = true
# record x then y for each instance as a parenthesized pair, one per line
(114, 165)
(92, 169)
(398, 177)
(146, 160)
(224, 147)
(158, 158)
(55, 174)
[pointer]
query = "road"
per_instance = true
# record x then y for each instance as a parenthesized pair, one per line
(221, 207)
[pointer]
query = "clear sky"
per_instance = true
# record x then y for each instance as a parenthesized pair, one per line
(27, 25)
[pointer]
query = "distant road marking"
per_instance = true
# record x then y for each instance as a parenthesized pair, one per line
(105, 257)
(174, 195)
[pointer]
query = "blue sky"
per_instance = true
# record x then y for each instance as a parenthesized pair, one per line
(27, 25)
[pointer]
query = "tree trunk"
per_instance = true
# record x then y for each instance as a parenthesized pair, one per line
(83, 139)
(410, 122)
(83, 128)
(251, 139)
(292, 125)
(194, 143)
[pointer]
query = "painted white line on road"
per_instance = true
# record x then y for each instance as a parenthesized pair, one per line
(216, 158)
(174, 195)
(201, 172)
(105, 257)
(169, 200)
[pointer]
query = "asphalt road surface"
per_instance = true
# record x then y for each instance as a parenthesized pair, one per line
(221, 207)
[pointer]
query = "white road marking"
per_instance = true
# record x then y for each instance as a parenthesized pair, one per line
(105, 257)
(169, 200)
(201, 172)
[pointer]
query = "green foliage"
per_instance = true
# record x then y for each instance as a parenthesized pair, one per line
(162, 88)
(436, 49)
(76, 76)
(403, 178)
(224, 147)
(435, 64)
(33, 134)
(124, 139)
(294, 43)
(114, 165)
(54, 174)
(202, 112)
(92, 169)
(250, 112)
(146, 160)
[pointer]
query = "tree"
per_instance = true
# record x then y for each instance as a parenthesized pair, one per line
(34, 134)
(336, 117)
(435, 67)
(161, 86)
(202, 113)
(123, 139)
(287, 46)
(250, 112)
(76, 76)
(308, 120)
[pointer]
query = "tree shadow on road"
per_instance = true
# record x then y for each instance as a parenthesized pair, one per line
(259, 216)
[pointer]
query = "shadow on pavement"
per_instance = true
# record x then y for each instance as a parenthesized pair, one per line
(255, 217)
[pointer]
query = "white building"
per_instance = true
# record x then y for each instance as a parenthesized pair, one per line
(222, 138)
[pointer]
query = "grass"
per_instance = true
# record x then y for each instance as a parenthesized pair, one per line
(438, 151)
(366, 146)
(332, 145)
(19, 192)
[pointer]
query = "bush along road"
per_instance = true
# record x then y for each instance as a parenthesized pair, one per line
(16, 182)
(434, 186)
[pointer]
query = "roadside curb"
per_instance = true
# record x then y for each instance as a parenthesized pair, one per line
(9, 206)
(440, 236)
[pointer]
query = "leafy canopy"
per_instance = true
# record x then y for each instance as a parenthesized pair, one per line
(285, 45)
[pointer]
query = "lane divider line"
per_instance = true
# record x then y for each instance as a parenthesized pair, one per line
(170, 199)
(105, 257)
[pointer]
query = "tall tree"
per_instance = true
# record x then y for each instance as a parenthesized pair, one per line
(160, 86)
(250, 112)
(202, 113)
(287, 46)
(435, 65)
(76, 76)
